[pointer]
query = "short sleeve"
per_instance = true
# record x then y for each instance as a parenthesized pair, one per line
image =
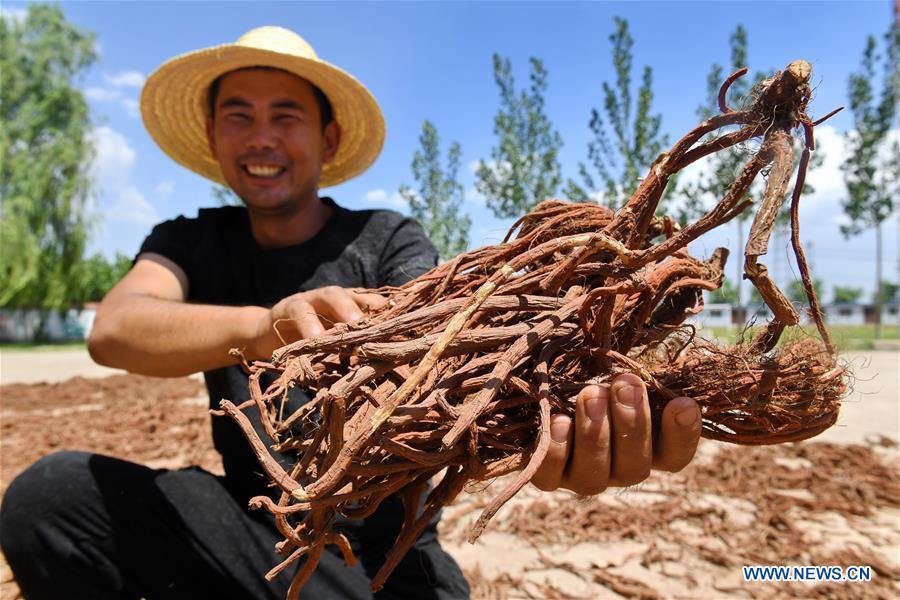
(171, 239)
(408, 254)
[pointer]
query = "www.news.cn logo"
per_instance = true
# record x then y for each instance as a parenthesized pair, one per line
(806, 573)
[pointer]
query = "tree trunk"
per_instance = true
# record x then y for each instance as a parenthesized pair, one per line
(740, 266)
(878, 293)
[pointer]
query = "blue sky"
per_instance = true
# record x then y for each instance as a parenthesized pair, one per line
(433, 61)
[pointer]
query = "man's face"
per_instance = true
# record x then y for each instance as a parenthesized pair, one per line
(267, 136)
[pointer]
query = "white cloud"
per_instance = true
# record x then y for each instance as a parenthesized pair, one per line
(375, 196)
(15, 15)
(828, 179)
(379, 198)
(133, 79)
(105, 94)
(164, 189)
(132, 207)
(132, 107)
(100, 94)
(121, 200)
(473, 166)
(474, 196)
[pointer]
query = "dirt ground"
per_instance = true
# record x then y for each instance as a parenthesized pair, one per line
(834, 500)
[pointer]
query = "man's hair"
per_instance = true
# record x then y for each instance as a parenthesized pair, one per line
(326, 114)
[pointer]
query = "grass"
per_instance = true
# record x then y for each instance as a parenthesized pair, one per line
(42, 346)
(845, 337)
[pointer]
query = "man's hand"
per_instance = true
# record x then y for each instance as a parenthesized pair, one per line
(610, 442)
(308, 314)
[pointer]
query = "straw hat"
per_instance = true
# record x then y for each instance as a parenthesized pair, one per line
(174, 102)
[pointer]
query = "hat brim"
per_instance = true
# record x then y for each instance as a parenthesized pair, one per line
(174, 107)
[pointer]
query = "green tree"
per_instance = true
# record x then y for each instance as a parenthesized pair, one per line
(872, 170)
(45, 155)
(225, 196)
(100, 275)
(727, 294)
(887, 293)
(724, 167)
(437, 201)
(627, 138)
(846, 294)
(797, 293)
(524, 167)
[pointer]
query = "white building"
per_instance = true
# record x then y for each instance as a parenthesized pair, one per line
(890, 313)
(715, 315)
(845, 314)
(21, 325)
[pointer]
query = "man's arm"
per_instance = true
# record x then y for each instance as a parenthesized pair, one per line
(144, 325)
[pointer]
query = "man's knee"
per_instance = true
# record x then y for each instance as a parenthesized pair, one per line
(53, 484)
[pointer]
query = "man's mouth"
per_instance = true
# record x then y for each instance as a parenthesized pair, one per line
(264, 171)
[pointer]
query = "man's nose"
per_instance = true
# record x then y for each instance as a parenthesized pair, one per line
(262, 136)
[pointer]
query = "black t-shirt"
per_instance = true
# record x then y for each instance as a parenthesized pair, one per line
(225, 266)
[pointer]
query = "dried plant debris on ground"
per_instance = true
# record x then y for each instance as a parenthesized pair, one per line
(161, 422)
(459, 373)
(842, 499)
(688, 534)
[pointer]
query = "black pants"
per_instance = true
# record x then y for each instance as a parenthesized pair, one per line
(79, 525)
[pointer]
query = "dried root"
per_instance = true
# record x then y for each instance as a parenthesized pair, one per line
(463, 368)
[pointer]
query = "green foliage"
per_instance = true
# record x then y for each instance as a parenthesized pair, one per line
(625, 144)
(872, 171)
(225, 196)
(846, 295)
(887, 292)
(100, 275)
(797, 293)
(524, 167)
(727, 294)
(437, 201)
(755, 296)
(45, 154)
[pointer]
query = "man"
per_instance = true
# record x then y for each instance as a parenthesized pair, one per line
(275, 123)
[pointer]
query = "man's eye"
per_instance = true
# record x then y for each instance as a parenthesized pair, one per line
(237, 117)
(287, 118)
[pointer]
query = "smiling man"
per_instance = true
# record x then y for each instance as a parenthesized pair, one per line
(268, 118)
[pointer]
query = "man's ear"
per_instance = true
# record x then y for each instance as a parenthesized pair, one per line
(332, 136)
(211, 135)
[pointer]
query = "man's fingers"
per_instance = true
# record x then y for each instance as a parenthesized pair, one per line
(304, 318)
(588, 471)
(632, 441)
(369, 301)
(679, 434)
(550, 474)
(335, 305)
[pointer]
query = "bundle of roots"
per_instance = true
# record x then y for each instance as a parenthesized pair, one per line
(462, 369)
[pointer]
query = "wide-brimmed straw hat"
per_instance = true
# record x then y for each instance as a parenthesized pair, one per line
(175, 104)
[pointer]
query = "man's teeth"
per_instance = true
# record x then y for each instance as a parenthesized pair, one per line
(260, 171)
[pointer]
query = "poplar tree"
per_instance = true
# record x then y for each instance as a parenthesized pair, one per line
(436, 202)
(524, 167)
(627, 135)
(872, 170)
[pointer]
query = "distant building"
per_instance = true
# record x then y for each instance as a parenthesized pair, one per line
(760, 313)
(21, 325)
(890, 313)
(714, 315)
(845, 314)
